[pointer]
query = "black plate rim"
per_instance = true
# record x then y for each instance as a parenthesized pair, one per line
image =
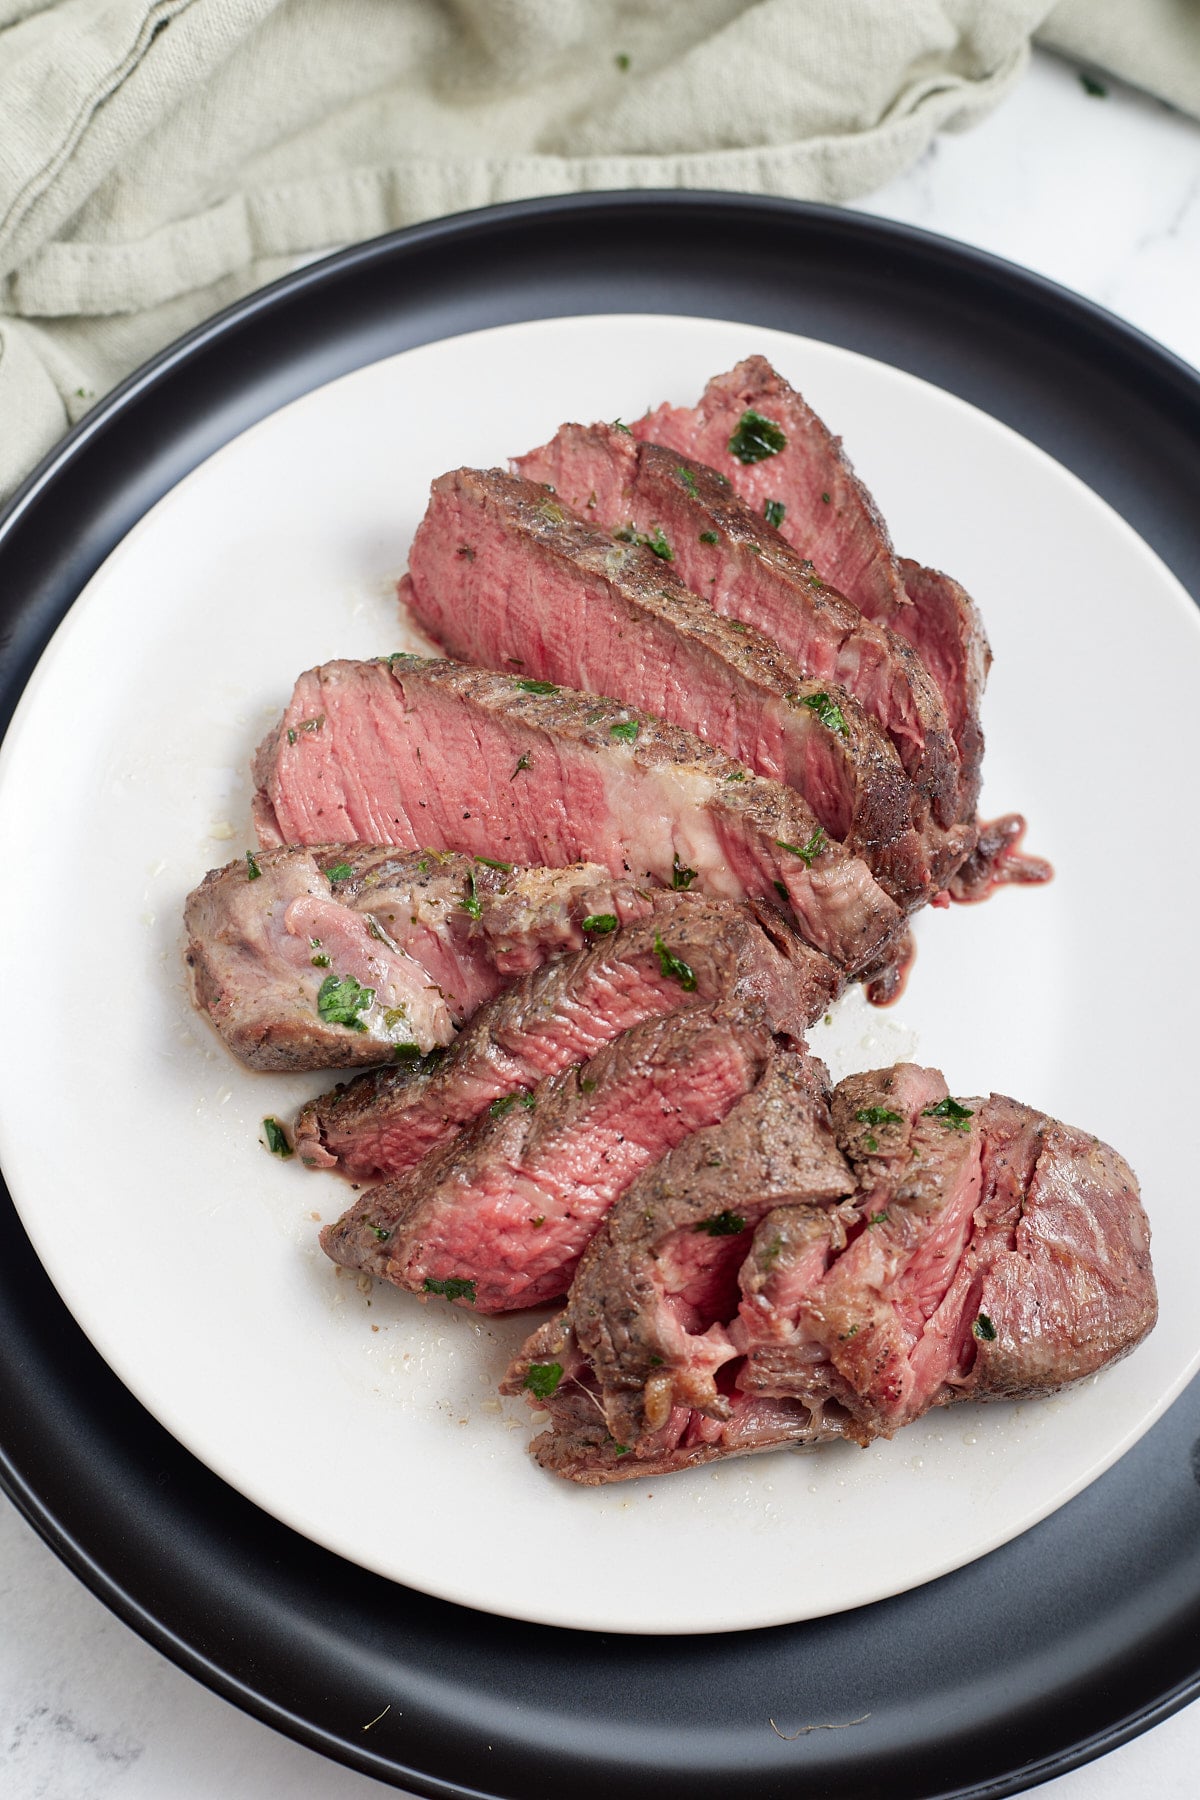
(1165, 373)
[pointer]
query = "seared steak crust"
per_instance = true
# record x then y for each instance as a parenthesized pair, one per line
(726, 550)
(410, 751)
(498, 1219)
(690, 952)
(502, 575)
(832, 519)
(432, 935)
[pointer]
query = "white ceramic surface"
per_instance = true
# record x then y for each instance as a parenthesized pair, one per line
(354, 1413)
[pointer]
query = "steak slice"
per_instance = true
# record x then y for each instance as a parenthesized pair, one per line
(410, 751)
(749, 571)
(498, 1219)
(500, 574)
(659, 1281)
(753, 427)
(349, 954)
(989, 1253)
(692, 952)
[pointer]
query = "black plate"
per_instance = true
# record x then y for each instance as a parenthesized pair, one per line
(1051, 1650)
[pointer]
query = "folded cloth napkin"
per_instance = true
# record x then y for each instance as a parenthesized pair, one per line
(160, 158)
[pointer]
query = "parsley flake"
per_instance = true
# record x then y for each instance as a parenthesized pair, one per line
(682, 878)
(688, 480)
(950, 1113)
(658, 543)
(452, 1288)
(808, 853)
(755, 438)
(537, 687)
(620, 425)
(601, 922)
(277, 1138)
(542, 1379)
(876, 1115)
(828, 711)
(340, 872)
(521, 767)
(984, 1330)
(627, 729)
(674, 966)
(470, 904)
(773, 512)
(722, 1224)
(341, 999)
(252, 869)
(491, 862)
(1096, 89)
(879, 1218)
(710, 537)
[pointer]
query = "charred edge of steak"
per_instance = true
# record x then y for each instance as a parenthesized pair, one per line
(831, 518)
(614, 617)
(402, 745)
(498, 1219)
(750, 572)
(690, 952)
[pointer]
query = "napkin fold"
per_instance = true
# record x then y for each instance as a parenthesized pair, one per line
(161, 158)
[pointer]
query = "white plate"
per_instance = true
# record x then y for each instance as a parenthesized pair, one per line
(129, 1137)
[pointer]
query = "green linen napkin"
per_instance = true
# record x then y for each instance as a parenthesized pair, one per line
(160, 158)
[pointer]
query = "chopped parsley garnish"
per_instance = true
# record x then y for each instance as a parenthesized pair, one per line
(252, 869)
(756, 438)
(674, 966)
(984, 1330)
(339, 872)
(627, 729)
(620, 1449)
(341, 999)
(782, 892)
(316, 724)
(537, 687)
(601, 922)
(620, 425)
(406, 1052)
(710, 537)
(320, 960)
(408, 656)
(872, 1145)
(470, 904)
(500, 1107)
(622, 60)
(277, 1138)
(1095, 88)
(876, 1115)
(538, 1222)
(394, 1017)
(658, 543)
(453, 1288)
(542, 1379)
(879, 1218)
(808, 853)
(738, 775)
(828, 711)
(291, 736)
(528, 1102)
(381, 1231)
(586, 1084)
(521, 767)
(682, 878)
(950, 1113)
(722, 1224)
(688, 479)
(773, 512)
(491, 862)
(825, 498)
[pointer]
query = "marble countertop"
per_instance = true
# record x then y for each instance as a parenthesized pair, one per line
(1100, 193)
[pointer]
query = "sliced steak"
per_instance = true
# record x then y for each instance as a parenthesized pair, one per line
(410, 751)
(344, 955)
(989, 1252)
(659, 1282)
(754, 428)
(692, 952)
(735, 558)
(502, 575)
(498, 1219)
